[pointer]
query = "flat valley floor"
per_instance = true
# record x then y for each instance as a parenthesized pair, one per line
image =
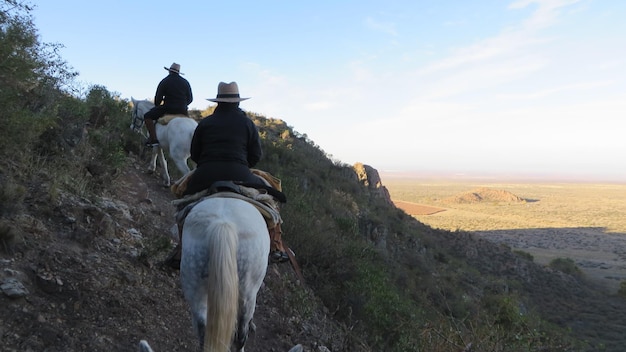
(581, 221)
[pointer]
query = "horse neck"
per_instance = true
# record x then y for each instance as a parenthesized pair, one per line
(145, 106)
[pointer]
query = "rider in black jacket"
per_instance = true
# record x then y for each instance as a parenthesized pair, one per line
(225, 144)
(173, 95)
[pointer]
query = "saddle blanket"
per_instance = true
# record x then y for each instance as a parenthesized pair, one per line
(266, 203)
(165, 119)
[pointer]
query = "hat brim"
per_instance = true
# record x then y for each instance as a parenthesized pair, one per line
(227, 100)
(167, 69)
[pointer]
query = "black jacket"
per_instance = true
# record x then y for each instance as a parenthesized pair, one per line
(227, 135)
(225, 146)
(174, 91)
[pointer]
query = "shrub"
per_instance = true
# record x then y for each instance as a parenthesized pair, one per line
(566, 265)
(33, 79)
(525, 255)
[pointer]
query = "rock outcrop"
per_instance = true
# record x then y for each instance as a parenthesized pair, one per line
(369, 177)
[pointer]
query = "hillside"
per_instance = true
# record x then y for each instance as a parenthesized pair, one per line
(90, 278)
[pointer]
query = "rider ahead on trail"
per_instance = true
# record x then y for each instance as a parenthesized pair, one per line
(173, 96)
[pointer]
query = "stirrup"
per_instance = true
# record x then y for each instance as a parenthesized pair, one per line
(279, 257)
(152, 143)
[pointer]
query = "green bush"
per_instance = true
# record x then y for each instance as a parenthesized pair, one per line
(34, 79)
(566, 265)
(524, 255)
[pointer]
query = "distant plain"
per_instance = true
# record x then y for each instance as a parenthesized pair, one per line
(585, 222)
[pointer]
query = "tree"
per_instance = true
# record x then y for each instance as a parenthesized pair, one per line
(32, 76)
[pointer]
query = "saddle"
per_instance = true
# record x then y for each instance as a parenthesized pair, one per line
(266, 198)
(264, 202)
(272, 187)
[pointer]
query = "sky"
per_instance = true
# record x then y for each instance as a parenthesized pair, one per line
(490, 87)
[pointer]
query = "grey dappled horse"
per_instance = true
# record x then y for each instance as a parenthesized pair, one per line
(175, 137)
(225, 246)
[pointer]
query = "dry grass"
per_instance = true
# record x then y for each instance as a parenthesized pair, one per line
(584, 222)
(553, 205)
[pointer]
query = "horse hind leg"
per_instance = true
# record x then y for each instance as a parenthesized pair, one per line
(180, 155)
(194, 286)
(196, 298)
(241, 336)
(200, 324)
(166, 174)
(198, 315)
(181, 164)
(153, 159)
(244, 324)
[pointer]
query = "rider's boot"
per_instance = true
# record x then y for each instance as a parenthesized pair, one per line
(152, 140)
(277, 250)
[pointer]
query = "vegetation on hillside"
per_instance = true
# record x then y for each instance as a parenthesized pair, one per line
(395, 284)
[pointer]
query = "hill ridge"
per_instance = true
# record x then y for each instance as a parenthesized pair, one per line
(484, 194)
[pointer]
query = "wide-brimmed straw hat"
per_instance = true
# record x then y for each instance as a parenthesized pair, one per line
(227, 93)
(174, 68)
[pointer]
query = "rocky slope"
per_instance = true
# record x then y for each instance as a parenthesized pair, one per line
(86, 275)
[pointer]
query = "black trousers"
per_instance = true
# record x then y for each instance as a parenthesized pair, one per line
(158, 111)
(210, 172)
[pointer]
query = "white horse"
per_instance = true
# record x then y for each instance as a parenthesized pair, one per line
(225, 248)
(175, 136)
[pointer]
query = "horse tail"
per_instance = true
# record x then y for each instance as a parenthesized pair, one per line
(223, 290)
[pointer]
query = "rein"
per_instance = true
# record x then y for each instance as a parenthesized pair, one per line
(137, 123)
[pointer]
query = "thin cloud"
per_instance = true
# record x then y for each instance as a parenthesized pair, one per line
(387, 28)
(546, 14)
(489, 74)
(507, 44)
(515, 54)
(607, 65)
(585, 86)
(512, 41)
